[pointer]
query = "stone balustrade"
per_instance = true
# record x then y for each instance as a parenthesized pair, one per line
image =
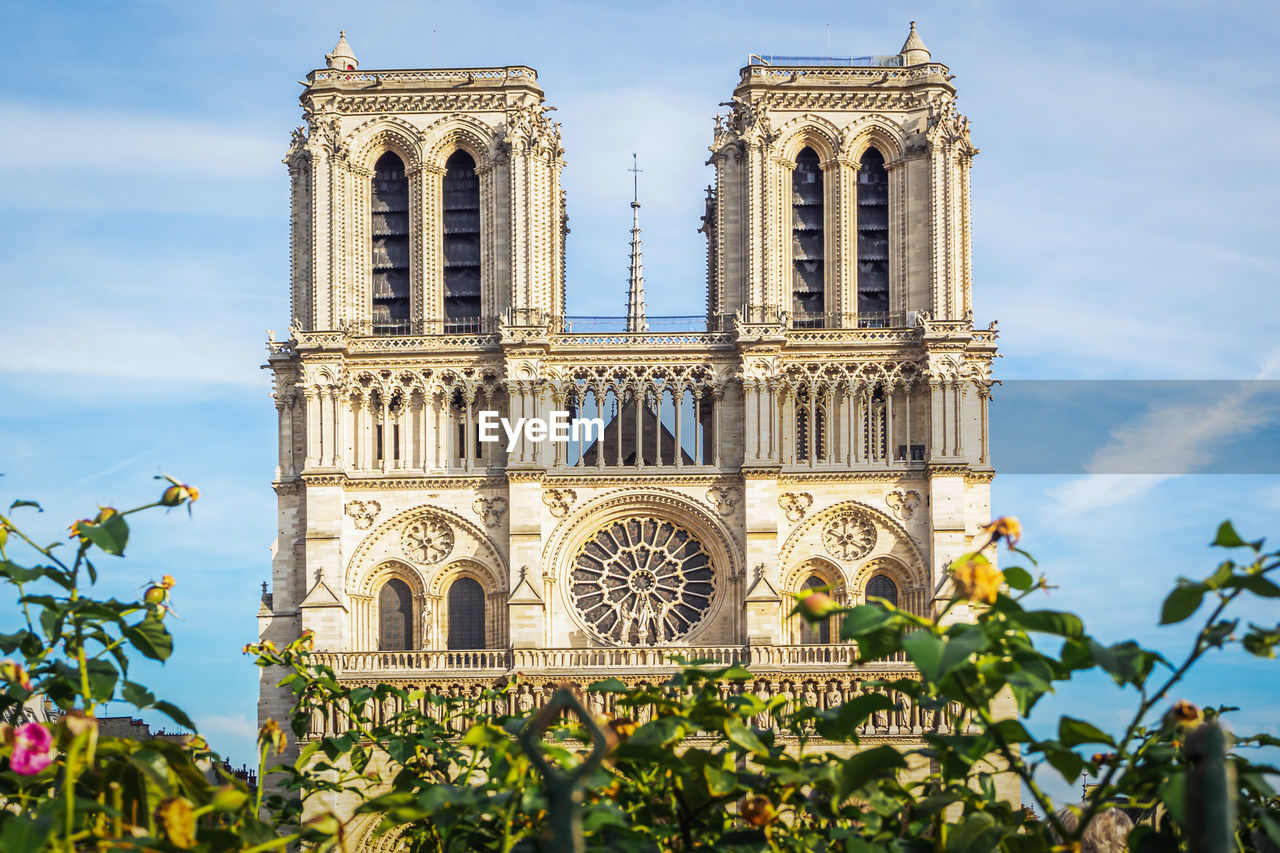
(657, 658)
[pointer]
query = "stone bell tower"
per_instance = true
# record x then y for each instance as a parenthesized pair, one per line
(461, 169)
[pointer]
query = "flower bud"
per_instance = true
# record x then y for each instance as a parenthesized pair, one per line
(228, 798)
(155, 595)
(758, 811)
(14, 673)
(77, 722)
(177, 816)
(816, 606)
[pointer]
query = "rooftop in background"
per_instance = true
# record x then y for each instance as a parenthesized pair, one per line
(894, 61)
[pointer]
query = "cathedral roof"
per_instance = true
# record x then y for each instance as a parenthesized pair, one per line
(341, 56)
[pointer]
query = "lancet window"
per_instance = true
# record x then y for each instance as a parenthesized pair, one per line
(881, 587)
(395, 616)
(461, 223)
(389, 232)
(466, 614)
(873, 240)
(807, 242)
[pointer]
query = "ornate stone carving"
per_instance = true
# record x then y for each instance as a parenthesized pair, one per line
(490, 509)
(724, 498)
(903, 502)
(795, 504)
(559, 500)
(427, 541)
(642, 581)
(363, 512)
(849, 536)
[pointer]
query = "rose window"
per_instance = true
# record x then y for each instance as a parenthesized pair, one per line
(427, 541)
(849, 537)
(642, 582)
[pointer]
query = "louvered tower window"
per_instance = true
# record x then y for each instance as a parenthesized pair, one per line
(466, 615)
(807, 298)
(461, 244)
(390, 231)
(810, 633)
(873, 240)
(395, 616)
(881, 587)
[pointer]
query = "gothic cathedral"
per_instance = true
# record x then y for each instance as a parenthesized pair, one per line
(826, 426)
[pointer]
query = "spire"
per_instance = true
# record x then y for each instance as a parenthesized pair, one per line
(341, 56)
(635, 292)
(913, 50)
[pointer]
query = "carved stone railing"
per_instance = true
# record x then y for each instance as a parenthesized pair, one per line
(521, 696)
(649, 659)
(427, 75)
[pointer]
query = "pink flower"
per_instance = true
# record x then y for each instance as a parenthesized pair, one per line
(32, 749)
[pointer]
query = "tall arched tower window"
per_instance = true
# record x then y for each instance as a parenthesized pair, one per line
(810, 633)
(807, 245)
(466, 614)
(461, 244)
(881, 587)
(395, 616)
(873, 240)
(390, 233)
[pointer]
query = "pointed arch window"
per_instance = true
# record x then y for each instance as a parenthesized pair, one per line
(390, 246)
(466, 614)
(395, 616)
(808, 280)
(873, 240)
(461, 244)
(811, 633)
(881, 587)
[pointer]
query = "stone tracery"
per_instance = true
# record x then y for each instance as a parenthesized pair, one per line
(642, 581)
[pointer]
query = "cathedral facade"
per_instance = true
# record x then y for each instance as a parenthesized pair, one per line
(826, 426)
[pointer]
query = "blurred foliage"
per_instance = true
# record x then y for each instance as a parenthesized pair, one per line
(687, 764)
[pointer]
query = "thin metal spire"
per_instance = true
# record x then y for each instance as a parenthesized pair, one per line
(635, 292)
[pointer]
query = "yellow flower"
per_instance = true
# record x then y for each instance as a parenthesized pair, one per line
(976, 578)
(1005, 527)
(77, 527)
(1184, 714)
(177, 817)
(271, 735)
(168, 582)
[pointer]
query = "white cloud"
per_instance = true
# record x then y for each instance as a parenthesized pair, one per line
(1167, 441)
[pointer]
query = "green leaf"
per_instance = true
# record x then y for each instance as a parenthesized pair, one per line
(740, 735)
(102, 676)
(1256, 584)
(863, 619)
(1056, 622)
(841, 723)
(1018, 578)
(863, 767)
(1228, 538)
(720, 783)
(20, 832)
(111, 535)
(17, 504)
(137, 695)
(925, 650)
(1182, 602)
(150, 637)
(176, 714)
(607, 685)
(1066, 762)
(1172, 792)
(660, 732)
(1073, 732)
(977, 834)
(958, 647)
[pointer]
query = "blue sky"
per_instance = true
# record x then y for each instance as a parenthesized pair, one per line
(1125, 207)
